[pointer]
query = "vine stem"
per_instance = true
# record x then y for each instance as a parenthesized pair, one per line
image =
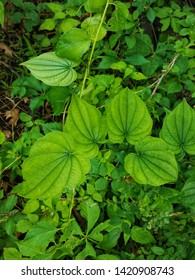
(165, 72)
(93, 48)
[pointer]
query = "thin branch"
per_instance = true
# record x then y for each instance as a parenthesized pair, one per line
(165, 72)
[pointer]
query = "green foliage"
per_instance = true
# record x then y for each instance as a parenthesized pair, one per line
(52, 70)
(101, 163)
(178, 129)
(153, 163)
(128, 118)
(2, 16)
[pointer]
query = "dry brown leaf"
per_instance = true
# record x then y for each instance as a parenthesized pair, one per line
(6, 49)
(7, 133)
(4, 185)
(13, 115)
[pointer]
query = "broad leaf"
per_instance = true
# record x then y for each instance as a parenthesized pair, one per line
(86, 125)
(179, 129)
(73, 44)
(37, 238)
(53, 165)
(128, 117)
(141, 235)
(51, 69)
(90, 210)
(153, 163)
(188, 193)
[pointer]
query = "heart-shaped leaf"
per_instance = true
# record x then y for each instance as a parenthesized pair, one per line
(73, 44)
(87, 126)
(153, 163)
(51, 69)
(53, 165)
(179, 129)
(128, 117)
(188, 193)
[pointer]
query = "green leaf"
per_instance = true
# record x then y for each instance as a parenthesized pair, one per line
(153, 162)
(68, 23)
(37, 238)
(31, 206)
(107, 257)
(92, 6)
(11, 254)
(157, 250)
(127, 117)
(2, 16)
(41, 233)
(73, 44)
(187, 194)
(151, 14)
(91, 26)
(87, 251)
(2, 137)
(8, 204)
(179, 129)
(111, 239)
(51, 69)
(48, 24)
(55, 7)
(87, 126)
(58, 97)
(142, 236)
(90, 210)
(53, 165)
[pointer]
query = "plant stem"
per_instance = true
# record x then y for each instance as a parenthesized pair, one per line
(93, 48)
(165, 72)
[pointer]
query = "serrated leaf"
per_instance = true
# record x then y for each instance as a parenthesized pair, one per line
(86, 124)
(53, 165)
(51, 69)
(73, 44)
(141, 235)
(90, 210)
(153, 162)
(178, 129)
(128, 118)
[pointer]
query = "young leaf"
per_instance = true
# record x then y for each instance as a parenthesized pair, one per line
(73, 44)
(153, 163)
(90, 211)
(179, 129)
(53, 165)
(141, 235)
(51, 69)
(127, 117)
(86, 125)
